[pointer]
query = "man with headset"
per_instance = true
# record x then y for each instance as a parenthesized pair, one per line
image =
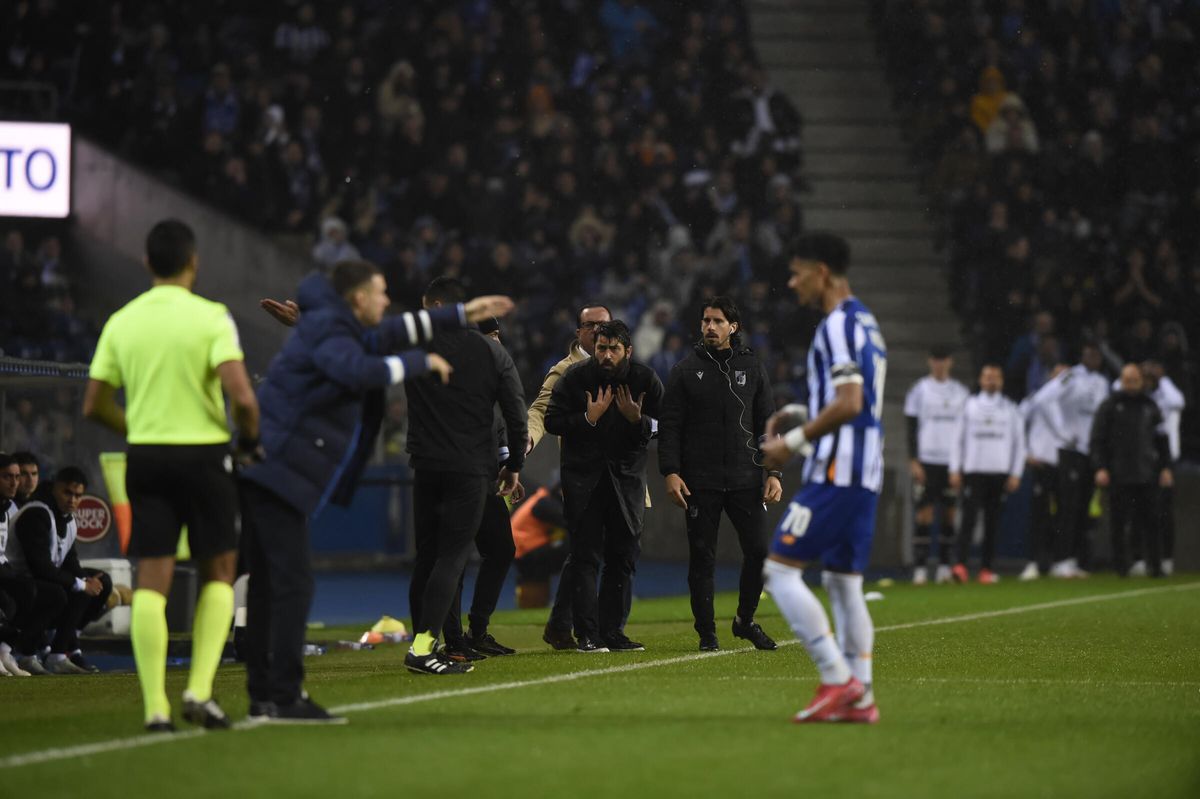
(717, 402)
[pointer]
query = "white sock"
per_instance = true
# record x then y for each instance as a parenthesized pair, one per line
(855, 630)
(56, 657)
(5, 649)
(807, 619)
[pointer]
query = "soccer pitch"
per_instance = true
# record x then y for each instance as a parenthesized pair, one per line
(1079, 688)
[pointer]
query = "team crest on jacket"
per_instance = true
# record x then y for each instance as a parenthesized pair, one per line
(699, 375)
(739, 377)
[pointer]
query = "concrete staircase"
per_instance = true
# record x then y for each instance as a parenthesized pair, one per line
(822, 54)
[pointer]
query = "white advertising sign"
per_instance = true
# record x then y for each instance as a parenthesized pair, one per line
(35, 169)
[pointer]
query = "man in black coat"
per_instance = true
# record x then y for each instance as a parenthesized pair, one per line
(717, 403)
(452, 442)
(604, 411)
(1132, 458)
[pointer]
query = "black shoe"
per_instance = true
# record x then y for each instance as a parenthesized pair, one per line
(620, 643)
(588, 645)
(80, 662)
(206, 714)
(260, 711)
(434, 664)
(160, 725)
(488, 645)
(304, 711)
(751, 632)
(709, 643)
(457, 649)
(559, 639)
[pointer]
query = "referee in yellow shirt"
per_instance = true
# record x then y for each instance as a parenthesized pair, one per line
(173, 352)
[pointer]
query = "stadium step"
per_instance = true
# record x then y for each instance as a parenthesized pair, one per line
(817, 50)
(768, 23)
(858, 219)
(855, 162)
(872, 108)
(848, 135)
(870, 191)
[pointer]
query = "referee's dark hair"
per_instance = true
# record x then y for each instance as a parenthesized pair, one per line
(170, 247)
(616, 330)
(446, 290)
(69, 475)
(823, 247)
(349, 275)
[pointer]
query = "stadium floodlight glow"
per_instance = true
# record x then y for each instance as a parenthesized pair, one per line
(35, 169)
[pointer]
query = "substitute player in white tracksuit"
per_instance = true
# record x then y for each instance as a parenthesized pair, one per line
(1046, 434)
(986, 463)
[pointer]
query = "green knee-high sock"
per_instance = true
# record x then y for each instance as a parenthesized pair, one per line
(210, 629)
(148, 629)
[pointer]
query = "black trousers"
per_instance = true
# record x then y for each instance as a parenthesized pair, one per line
(1166, 521)
(562, 612)
(982, 493)
(494, 541)
(1133, 505)
(447, 510)
(32, 608)
(1044, 515)
(744, 507)
(78, 611)
(275, 550)
(602, 536)
(936, 496)
(1077, 484)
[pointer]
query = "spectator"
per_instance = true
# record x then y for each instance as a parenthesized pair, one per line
(333, 246)
(1012, 129)
(303, 40)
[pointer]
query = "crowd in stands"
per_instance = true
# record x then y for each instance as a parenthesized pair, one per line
(555, 150)
(38, 319)
(1060, 150)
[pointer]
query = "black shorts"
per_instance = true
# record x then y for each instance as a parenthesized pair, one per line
(936, 488)
(173, 485)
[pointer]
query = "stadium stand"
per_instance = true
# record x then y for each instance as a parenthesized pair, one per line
(556, 150)
(1058, 144)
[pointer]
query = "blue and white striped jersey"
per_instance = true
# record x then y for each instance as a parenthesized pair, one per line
(848, 348)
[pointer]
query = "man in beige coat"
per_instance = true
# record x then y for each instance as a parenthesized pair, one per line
(558, 628)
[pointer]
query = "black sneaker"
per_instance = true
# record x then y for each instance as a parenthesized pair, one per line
(459, 650)
(434, 664)
(159, 724)
(559, 639)
(206, 714)
(488, 645)
(709, 643)
(751, 632)
(620, 642)
(588, 645)
(260, 711)
(304, 711)
(81, 662)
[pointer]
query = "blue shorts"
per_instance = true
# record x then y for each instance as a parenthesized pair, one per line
(828, 523)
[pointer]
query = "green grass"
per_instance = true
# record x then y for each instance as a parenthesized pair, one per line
(1091, 699)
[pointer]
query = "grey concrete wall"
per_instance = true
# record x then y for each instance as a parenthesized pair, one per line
(115, 204)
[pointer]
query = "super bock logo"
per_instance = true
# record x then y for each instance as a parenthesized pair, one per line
(739, 377)
(93, 517)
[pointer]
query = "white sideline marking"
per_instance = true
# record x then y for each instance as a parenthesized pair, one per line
(999, 681)
(138, 741)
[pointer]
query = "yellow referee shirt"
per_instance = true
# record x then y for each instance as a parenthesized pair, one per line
(164, 348)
